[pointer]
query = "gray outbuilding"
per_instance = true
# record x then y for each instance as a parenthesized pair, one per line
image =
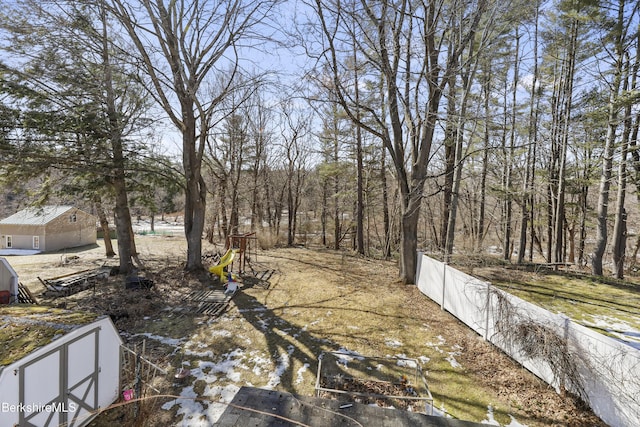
(48, 228)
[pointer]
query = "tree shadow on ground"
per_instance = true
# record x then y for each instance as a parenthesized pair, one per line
(288, 343)
(295, 351)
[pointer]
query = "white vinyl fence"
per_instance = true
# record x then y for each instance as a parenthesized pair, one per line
(602, 370)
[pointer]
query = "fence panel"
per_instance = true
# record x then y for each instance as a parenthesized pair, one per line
(600, 369)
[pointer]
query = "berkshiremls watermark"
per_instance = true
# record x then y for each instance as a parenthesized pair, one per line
(57, 407)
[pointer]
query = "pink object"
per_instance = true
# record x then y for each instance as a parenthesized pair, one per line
(182, 373)
(128, 395)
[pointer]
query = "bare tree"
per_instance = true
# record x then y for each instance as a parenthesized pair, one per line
(294, 135)
(259, 120)
(180, 45)
(403, 42)
(470, 62)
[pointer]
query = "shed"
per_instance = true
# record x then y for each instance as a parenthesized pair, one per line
(8, 283)
(57, 367)
(48, 228)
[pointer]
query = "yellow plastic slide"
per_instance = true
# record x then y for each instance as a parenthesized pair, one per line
(226, 259)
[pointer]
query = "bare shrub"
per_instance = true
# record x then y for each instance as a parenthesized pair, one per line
(537, 341)
(268, 241)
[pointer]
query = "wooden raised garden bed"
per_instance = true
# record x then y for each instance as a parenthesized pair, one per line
(391, 382)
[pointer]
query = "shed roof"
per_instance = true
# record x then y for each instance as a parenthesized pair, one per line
(36, 216)
(25, 328)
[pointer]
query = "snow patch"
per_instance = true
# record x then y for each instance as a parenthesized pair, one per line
(281, 368)
(173, 342)
(392, 343)
(302, 370)
(451, 358)
(190, 408)
(620, 329)
(493, 422)
(207, 353)
(490, 420)
(344, 356)
(404, 361)
(436, 345)
(225, 395)
(514, 423)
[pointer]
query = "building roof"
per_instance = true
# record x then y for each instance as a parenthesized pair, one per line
(29, 327)
(36, 216)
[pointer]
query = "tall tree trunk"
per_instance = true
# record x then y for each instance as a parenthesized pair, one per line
(554, 156)
(254, 203)
(609, 148)
(118, 179)
(486, 142)
(583, 205)
(336, 192)
(635, 154)
(409, 241)
(234, 220)
(104, 224)
(325, 211)
(291, 210)
(532, 192)
(467, 78)
(268, 198)
(386, 217)
(279, 205)
(619, 243)
(195, 187)
(508, 156)
(511, 152)
(385, 206)
(299, 182)
(259, 146)
(359, 208)
(530, 163)
(450, 140)
(359, 188)
(567, 96)
(224, 219)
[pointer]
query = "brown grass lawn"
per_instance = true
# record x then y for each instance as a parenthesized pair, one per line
(317, 301)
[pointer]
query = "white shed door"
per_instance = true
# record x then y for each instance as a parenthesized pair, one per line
(61, 387)
(82, 378)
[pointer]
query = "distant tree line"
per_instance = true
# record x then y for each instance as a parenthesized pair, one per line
(443, 125)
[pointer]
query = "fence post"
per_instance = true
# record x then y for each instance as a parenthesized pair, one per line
(444, 284)
(563, 379)
(138, 380)
(487, 308)
(137, 386)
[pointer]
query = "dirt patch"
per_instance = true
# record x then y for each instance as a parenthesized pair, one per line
(315, 301)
